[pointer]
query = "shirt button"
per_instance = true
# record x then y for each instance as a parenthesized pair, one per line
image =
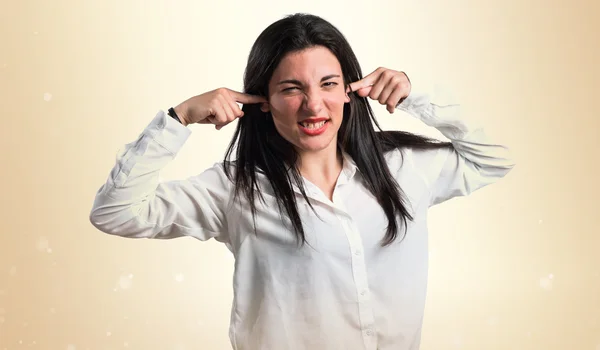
(357, 252)
(363, 292)
(369, 332)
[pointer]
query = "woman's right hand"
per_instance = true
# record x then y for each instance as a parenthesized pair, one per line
(218, 107)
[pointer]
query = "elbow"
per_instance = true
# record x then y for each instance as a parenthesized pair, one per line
(123, 222)
(113, 223)
(120, 218)
(103, 222)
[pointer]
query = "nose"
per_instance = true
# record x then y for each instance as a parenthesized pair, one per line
(313, 102)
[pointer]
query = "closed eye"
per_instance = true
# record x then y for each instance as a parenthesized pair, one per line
(332, 83)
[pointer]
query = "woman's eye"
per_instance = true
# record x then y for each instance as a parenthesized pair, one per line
(328, 84)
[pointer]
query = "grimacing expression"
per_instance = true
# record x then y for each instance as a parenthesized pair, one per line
(306, 99)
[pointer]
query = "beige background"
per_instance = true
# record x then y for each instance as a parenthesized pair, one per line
(514, 266)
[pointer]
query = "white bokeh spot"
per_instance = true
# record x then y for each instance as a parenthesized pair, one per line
(42, 244)
(546, 282)
(125, 281)
(71, 347)
(47, 97)
(179, 277)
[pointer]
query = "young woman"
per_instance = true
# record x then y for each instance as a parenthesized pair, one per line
(325, 216)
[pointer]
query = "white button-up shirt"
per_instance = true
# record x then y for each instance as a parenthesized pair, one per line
(340, 291)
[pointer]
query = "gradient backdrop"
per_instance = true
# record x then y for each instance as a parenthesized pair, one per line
(514, 266)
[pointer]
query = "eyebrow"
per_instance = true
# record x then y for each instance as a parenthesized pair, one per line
(297, 82)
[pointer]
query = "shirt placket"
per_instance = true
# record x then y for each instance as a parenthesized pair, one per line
(359, 272)
(359, 268)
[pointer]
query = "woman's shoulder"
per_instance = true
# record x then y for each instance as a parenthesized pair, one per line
(225, 173)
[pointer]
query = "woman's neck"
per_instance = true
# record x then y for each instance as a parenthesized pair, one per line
(322, 168)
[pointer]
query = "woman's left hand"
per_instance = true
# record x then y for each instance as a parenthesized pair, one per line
(387, 86)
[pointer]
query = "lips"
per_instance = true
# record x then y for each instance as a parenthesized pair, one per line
(311, 128)
(313, 122)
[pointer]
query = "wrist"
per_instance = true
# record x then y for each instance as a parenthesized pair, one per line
(180, 112)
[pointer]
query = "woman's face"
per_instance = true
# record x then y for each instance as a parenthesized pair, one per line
(306, 99)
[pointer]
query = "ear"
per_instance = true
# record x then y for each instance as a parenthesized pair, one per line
(265, 107)
(347, 98)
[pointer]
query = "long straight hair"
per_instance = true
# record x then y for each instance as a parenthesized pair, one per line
(260, 148)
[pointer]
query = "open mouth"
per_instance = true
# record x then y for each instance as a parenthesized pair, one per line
(314, 129)
(313, 126)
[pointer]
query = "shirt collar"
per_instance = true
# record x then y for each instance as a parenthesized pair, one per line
(348, 171)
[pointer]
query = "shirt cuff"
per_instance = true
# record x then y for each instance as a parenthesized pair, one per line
(167, 132)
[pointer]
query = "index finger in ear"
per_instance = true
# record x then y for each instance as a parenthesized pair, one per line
(367, 81)
(247, 98)
(350, 89)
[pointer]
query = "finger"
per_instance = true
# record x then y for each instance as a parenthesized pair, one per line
(384, 80)
(364, 92)
(220, 114)
(367, 81)
(247, 98)
(207, 120)
(399, 94)
(237, 111)
(390, 86)
(361, 84)
(227, 108)
(393, 100)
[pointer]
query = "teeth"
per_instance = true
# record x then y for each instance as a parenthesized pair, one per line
(314, 125)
